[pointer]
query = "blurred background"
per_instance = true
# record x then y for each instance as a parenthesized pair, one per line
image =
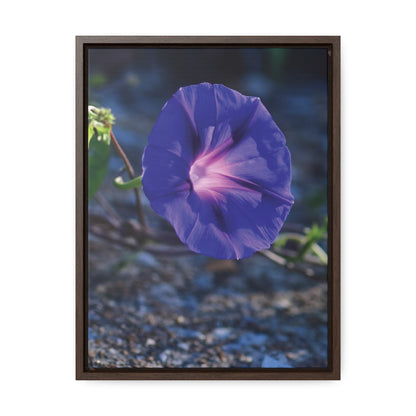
(148, 310)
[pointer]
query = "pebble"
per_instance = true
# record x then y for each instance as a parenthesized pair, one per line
(150, 342)
(279, 362)
(183, 346)
(245, 359)
(222, 333)
(147, 259)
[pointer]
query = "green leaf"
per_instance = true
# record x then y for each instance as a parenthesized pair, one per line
(120, 184)
(90, 134)
(315, 234)
(280, 242)
(98, 157)
(100, 121)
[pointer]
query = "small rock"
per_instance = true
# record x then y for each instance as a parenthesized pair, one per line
(279, 362)
(147, 259)
(150, 342)
(167, 294)
(296, 355)
(283, 303)
(183, 346)
(163, 356)
(221, 333)
(245, 359)
(172, 358)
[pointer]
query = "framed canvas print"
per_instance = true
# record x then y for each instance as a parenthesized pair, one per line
(208, 208)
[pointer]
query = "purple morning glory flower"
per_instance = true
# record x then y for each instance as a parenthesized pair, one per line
(218, 169)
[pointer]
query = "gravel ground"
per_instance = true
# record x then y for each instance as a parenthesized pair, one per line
(197, 312)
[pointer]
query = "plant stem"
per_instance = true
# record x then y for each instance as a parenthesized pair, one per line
(283, 262)
(132, 175)
(167, 250)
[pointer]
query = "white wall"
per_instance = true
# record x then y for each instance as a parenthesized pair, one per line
(37, 207)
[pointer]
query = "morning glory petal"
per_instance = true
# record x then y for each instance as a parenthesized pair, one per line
(164, 173)
(208, 229)
(268, 169)
(224, 181)
(253, 227)
(178, 210)
(199, 104)
(174, 130)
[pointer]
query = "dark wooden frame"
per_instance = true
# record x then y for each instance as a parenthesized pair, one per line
(332, 43)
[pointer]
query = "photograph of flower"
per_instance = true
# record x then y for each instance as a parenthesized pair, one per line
(207, 207)
(217, 168)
